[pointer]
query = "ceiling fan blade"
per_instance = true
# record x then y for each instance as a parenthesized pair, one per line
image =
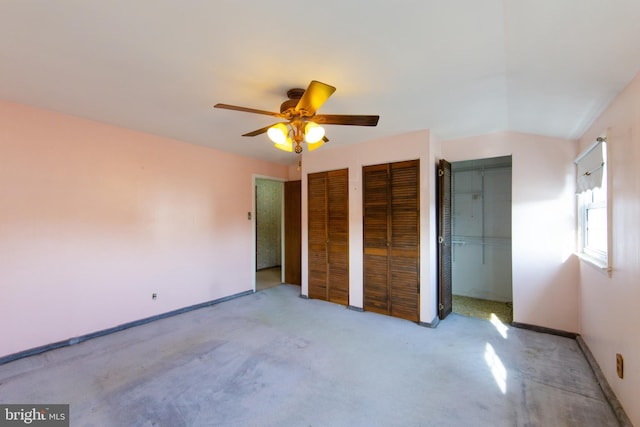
(258, 132)
(248, 110)
(346, 119)
(316, 94)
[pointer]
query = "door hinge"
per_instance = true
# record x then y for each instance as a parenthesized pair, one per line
(440, 306)
(440, 172)
(440, 239)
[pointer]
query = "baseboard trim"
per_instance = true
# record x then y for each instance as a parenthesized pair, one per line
(431, 324)
(82, 338)
(617, 408)
(354, 308)
(544, 330)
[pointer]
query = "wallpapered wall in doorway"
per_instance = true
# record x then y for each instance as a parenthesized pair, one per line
(268, 220)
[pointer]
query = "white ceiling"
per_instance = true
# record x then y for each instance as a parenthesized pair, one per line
(457, 67)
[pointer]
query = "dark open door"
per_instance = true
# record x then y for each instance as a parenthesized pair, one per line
(444, 240)
(292, 233)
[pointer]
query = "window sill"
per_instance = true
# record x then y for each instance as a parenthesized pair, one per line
(595, 262)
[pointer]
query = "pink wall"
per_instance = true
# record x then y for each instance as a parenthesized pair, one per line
(415, 145)
(609, 304)
(294, 173)
(545, 273)
(94, 219)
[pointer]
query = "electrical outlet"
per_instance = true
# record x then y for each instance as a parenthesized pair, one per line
(154, 296)
(620, 365)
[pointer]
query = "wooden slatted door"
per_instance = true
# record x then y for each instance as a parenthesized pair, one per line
(338, 236)
(392, 239)
(317, 236)
(376, 238)
(328, 222)
(404, 245)
(445, 297)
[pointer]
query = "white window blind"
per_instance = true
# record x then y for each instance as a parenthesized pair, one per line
(590, 167)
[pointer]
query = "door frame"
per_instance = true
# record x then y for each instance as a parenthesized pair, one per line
(438, 207)
(254, 233)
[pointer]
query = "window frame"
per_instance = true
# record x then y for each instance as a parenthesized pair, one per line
(587, 200)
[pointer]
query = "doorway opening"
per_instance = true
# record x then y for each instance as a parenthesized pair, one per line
(481, 268)
(268, 232)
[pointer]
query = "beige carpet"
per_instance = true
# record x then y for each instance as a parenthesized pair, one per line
(481, 308)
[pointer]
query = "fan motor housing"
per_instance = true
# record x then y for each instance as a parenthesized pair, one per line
(295, 93)
(288, 106)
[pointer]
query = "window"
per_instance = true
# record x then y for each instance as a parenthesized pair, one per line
(593, 241)
(594, 219)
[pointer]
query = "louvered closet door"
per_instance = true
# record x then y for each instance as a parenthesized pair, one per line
(328, 220)
(404, 262)
(317, 220)
(376, 215)
(391, 239)
(445, 297)
(338, 236)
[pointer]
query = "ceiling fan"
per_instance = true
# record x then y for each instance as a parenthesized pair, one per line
(302, 123)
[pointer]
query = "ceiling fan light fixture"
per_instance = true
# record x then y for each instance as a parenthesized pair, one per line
(287, 146)
(315, 145)
(297, 113)
(279, 134)
(313, 133)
